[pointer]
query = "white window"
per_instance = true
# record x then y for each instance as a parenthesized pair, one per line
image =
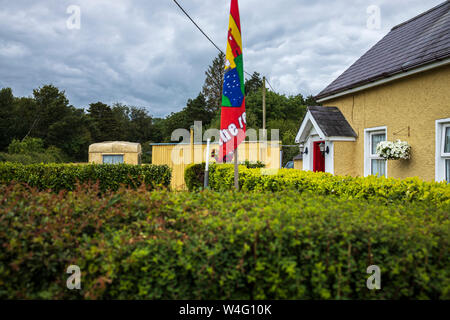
(443, 150)
(113, 159)
(373, 164)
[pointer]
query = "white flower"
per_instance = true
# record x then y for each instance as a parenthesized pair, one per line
(394, 150)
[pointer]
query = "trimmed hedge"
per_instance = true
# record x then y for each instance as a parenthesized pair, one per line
(194, 174)
(221, 178)
(208, 245)
(65, 176)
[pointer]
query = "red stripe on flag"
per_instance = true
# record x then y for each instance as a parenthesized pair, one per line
(235, 13)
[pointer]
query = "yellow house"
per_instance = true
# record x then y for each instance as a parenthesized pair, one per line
(113, 152)
(398, 90)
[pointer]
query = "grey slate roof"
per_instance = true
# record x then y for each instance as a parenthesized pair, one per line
(332, 122)
(419, 41)
(298, 157)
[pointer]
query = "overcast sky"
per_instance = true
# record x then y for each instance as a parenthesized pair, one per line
(147, 53)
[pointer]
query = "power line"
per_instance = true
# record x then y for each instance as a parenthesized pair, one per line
(197, 26)
(204, 33)
(269, 85)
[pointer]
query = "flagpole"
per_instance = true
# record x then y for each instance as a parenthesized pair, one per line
(206, 181)
(236, 170)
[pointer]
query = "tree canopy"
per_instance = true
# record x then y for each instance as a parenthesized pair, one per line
(66, 131)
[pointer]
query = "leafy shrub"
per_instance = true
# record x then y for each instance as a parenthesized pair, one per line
(194, 174)
(30, 151)
(389, 189)
(253, 164)
(65, 176)
(27, 145)
(208, 245)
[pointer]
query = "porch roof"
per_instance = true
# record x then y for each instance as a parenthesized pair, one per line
(328, 122)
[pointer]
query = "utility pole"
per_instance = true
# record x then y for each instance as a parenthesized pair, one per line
(236, 170)
(262, 144)
(264, 106)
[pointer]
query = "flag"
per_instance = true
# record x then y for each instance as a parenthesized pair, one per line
(232, 116)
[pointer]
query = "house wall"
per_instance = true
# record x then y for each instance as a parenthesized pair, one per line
(179, 156)
(344, 162)
(298, 164)
(415, 102)
(128, 158)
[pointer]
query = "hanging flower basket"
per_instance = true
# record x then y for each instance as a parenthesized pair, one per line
(396, 150)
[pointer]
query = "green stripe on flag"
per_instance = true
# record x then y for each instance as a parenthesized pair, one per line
(225, 101)
(239, 60)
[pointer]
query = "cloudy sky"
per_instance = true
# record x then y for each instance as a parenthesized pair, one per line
(147, 53)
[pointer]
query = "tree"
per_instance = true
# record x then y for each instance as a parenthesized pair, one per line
(52, 106)
(254, 84)
(212, 89)
(104, 125)
(141, 125)
(311, 101)
(6, 114)
(71, 134)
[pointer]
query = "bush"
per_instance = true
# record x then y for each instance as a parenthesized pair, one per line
(410, 189)
(208, 245)
(27, 145)
(65, 176)
(194, 174)
(30, 151)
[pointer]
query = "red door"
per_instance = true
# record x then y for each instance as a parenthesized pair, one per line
(318, 158)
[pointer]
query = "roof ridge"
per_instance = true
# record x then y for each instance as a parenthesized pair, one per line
(422, 14)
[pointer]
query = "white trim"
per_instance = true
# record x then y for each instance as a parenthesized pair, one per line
(308, 159)
(340, 139)
(383, 81)
(440, 156)
(329, 158)
(368, 157)
(444, 130)
(304, 126)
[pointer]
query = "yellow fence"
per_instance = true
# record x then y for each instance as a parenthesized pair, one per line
(179, 156)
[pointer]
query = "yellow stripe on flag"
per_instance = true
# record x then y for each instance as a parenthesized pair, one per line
(237, 37)
(235, 32)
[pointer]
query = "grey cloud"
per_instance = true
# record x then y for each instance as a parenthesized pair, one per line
(147, 53)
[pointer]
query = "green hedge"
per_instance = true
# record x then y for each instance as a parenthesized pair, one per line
(208, 245)
(411, 189)
(65, 176)
(194, 174)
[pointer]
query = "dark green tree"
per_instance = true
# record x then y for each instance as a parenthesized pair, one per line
(104, 124)
(6, 116)
(212, 89)
(71, 134)
(52, 106)
(254, 84)
(311, 101)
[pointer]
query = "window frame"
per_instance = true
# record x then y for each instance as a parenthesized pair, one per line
(440, 155)
(444, 128)
(368, 155)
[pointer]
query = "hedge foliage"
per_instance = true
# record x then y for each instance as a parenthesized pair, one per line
(411, 189)
(65, 176)
(194, 174)
(208, 245)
